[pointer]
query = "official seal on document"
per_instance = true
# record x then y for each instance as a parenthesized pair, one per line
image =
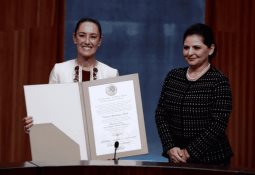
(111, 90)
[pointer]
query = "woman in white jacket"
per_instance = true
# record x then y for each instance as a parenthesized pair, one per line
(87, 37)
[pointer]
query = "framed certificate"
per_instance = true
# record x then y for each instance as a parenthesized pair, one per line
(115, 114)
(83, 121)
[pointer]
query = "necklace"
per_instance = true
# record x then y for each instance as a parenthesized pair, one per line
(92, 69)
(198, 75)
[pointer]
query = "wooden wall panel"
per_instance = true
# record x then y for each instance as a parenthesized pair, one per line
(31, 41)
(233, 22)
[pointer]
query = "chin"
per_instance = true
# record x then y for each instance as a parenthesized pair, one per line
(191, 63)
(87, 54)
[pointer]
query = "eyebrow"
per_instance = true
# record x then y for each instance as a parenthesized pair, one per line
(88, 33)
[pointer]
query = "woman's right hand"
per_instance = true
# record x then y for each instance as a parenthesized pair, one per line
(28, 123)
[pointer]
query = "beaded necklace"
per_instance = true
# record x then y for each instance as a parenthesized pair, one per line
(198, 75)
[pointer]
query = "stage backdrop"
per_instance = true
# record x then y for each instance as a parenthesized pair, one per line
(142, 37)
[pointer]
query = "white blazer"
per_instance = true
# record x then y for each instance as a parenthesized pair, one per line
(65, 73)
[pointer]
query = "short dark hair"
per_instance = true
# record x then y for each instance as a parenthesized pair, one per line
(88, 20)
(205, 32)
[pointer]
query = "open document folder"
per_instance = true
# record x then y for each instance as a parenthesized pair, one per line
(82, 121)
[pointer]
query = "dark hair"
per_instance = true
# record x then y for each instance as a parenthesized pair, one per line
(205, 32)
(88, 20)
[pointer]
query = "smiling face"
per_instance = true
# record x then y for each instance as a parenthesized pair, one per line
(195, 52)
(87, 39)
